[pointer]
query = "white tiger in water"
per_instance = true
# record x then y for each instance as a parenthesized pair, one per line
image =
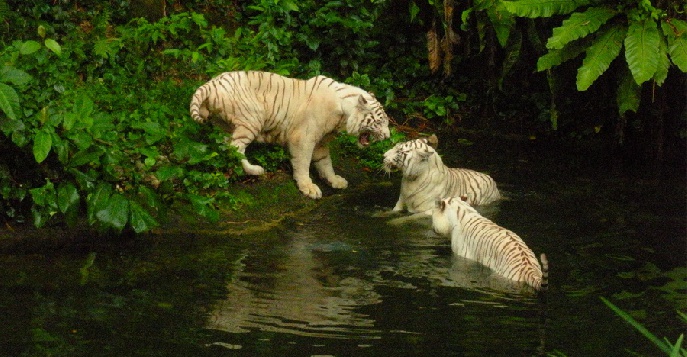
(302, 115)
(478, 238)
(426, 178)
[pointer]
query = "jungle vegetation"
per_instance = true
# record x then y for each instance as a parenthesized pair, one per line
(94, 94)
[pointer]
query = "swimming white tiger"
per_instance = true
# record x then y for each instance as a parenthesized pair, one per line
(426, 178)
(303, 115)
(478, 238)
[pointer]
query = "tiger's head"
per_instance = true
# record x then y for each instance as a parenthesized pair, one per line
(411, 157)
(445, 213)
(368, 121)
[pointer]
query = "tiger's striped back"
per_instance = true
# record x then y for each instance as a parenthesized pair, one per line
(425, 177)
(265, 101)
(476, 237)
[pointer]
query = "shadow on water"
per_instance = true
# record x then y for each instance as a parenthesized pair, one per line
(342, 281)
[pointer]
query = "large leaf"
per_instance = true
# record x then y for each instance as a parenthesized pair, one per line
(15, 76)
(578, 25)
(141, 220)
(42, 143)
(600, 55)
(542, 8)
(97, 201)
(555, 57)
(67, 197)
(9, 101)
(628, 94)
(29, 47)
(641, 49)
(115, 214)
(502, 22)
(676, 32)
(663, 63)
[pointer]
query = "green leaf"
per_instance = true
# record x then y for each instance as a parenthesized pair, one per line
(15, 76)
(502, 23)
(42, 143)
(542, 8)
(67, 197)
(663, 63)
(511, 58)
(662, 345)
(52, 45)
(141, 220)
(555, 57)
(414, 10)
(83, 110)
(115, 214)
(4, 9)
(97, 201)
(677, 44)
(169, 172)
(641, 49)
(83, 157)
(204, 207)
(9, 101)
(628, 94)
(578, 25)
(29, 47)
(599, 56)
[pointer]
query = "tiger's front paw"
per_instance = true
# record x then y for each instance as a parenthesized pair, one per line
(311, 190)
(251, 169)
(338, 182)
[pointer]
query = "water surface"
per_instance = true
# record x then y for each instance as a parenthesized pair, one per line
(344, 281)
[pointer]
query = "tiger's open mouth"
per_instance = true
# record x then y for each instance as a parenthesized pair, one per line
(389, 167)
(364, 139)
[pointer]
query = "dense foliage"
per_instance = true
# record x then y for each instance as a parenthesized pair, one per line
(94, 95)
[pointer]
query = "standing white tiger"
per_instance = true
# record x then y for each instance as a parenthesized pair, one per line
(303, 115)
(426, 178)
(478, 238)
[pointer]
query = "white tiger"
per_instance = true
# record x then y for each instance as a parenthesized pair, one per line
(303, 115)
(426, 178)
(478, 238)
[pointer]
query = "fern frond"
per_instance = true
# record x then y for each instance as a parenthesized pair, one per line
(555, 57)
(578, 25)
(542, 8)
(641, 49)
(600, 55)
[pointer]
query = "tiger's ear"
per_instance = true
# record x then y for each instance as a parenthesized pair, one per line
(362, 100)
(425, 154)
(433, 141)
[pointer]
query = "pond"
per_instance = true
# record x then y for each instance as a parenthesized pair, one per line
(344, 280)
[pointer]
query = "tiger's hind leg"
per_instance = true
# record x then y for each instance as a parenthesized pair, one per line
(240, 139)
(323, 164)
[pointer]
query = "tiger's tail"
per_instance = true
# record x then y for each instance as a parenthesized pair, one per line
(543, 306)
(544, 273)
(199, 97)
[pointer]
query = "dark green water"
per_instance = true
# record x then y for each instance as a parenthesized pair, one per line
(343, 281)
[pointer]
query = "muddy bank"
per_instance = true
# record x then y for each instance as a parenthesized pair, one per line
(275, 199)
